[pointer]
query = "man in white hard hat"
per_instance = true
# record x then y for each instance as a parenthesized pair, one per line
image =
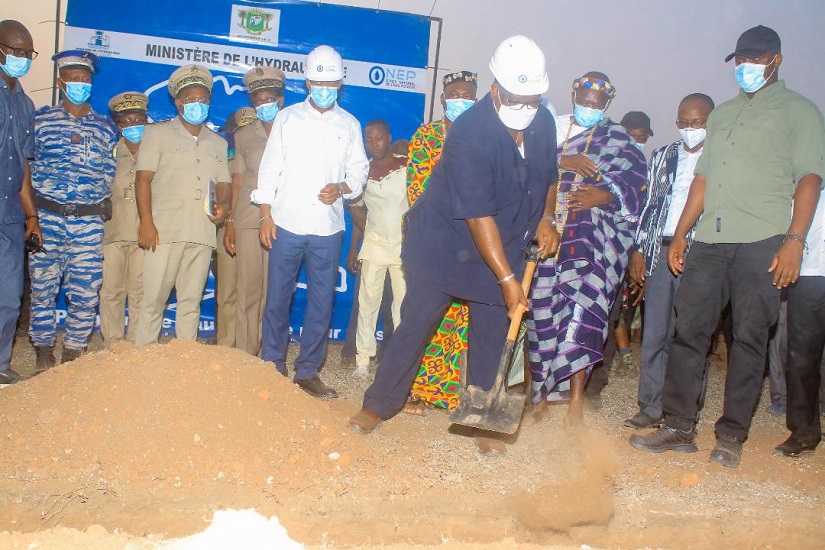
(314, 158)
(467, 234)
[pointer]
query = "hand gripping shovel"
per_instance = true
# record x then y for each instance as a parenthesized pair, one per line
(494, 410)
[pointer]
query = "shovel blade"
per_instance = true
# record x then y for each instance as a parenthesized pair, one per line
(475, 411)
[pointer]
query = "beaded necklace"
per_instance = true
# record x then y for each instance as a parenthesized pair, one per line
(562, 207)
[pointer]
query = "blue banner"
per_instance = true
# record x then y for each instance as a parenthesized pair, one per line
(385, 59)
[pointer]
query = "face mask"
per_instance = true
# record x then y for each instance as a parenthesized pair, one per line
(195, 113)
(16, 67)
(587, 117)
(456, 106)
(323, 96)
(78, 92)
(515, 119)
(693, 136)
(133, 133)
(639, 146)
(267, 111)
(751, 76)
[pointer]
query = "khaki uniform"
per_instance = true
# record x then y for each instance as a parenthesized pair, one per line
(183, 167)
(122, 257)
(251, 258)
(226, 284)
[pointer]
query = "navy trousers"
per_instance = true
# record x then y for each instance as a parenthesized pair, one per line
(321, 255)
(11, 273)
(422, 310)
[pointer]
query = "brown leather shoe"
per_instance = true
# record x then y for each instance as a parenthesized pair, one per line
(314, 387)
(364, 422)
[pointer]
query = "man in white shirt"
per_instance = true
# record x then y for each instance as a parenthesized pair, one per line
(669, 175)
(314, 158)
(806, 339)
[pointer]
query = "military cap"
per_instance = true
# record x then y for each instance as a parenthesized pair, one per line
(261, 78)
(129, 101)
(460, 76)
(75, 58)
(244, 116)
(189, 75)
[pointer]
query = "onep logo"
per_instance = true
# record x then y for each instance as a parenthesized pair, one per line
(377, 76)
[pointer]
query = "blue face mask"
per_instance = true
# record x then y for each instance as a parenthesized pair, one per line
(587, 117)
(323, 96)
(639, 146)
(133, 133)
(267, 111)
(751, 76)
(78, 92)
(456, 106)
(16, 67)
(195, 113)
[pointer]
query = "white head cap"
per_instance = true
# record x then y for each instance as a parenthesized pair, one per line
(518, 65)
(324, 64)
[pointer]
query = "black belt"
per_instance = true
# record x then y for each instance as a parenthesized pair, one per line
(103, 209)
(666, 241)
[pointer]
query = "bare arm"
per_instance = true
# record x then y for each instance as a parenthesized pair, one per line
(694, 207)
(547, 234)
(229, 226)
(487, 240)
(29, 207)
(788, 259)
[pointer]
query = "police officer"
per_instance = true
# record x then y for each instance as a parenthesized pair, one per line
(71, 174)
(182, 189)
(122, 257)
(265, 86)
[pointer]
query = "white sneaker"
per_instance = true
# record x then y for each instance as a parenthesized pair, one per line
(361, 371)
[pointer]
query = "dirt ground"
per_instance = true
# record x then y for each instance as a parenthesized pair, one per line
(127, 448)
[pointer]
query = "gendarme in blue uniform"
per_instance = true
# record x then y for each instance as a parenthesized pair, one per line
(481, 173)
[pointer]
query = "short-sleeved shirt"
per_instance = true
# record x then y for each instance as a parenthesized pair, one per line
(386, 202)
(184, 166)
(481, 173)
(755, 153)
(73, 161)
(250, 142)
(124, 225)
(16, 145)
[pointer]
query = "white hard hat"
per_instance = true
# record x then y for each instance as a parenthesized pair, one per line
(518, 65)
(324, 65)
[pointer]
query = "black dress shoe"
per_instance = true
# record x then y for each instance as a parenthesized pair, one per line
(314, 387)
(793, 447)
(8, 376)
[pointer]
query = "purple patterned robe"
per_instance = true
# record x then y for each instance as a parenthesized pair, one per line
(572, 296)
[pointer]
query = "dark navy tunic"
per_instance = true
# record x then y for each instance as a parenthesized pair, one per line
(481, 173)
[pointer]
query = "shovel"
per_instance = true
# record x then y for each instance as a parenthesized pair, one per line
(495, 410)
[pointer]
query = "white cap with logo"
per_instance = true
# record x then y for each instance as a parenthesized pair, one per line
(518, 65)
(324, 64)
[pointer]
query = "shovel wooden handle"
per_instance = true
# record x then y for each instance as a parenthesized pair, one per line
(515, 322)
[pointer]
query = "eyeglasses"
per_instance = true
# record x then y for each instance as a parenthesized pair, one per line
(20, 52)
(695, 124)
(509, 100)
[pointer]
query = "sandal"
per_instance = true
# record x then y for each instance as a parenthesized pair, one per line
(415, 406)
(364, 422)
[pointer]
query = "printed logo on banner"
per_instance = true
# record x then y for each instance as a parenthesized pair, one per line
(99, 43)
(400, 78)
(254, 25)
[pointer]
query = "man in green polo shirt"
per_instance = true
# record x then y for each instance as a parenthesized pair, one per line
(756, 188)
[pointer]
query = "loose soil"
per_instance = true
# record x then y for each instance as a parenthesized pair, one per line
(126, 448)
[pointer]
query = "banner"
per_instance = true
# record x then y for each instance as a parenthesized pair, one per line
(140, 44)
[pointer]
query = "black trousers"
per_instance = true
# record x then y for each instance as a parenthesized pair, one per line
(806, 338)
(714, 275)
(422, 310)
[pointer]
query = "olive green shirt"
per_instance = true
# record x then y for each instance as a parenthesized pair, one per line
(755, 153)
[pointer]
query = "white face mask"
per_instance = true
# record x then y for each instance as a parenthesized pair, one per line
(516, 119)
(692, 136)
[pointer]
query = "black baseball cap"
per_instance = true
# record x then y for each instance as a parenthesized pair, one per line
(636, 120)
(756, 41)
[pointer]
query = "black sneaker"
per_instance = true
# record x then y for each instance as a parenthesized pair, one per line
(793, 447)
(70, 355)
(643, 420)
(666, 439)
(8, 376)
(44, 359)
(728, 452)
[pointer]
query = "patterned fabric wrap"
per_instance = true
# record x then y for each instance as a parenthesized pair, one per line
(72, 252)
(572, 296)
(437, 382)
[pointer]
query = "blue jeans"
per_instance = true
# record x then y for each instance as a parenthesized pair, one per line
(11, 273)
(321, 255)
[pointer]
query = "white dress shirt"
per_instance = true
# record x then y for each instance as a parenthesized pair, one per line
(685, 167)
(305, 151)
(563, 124)
(813, 259)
